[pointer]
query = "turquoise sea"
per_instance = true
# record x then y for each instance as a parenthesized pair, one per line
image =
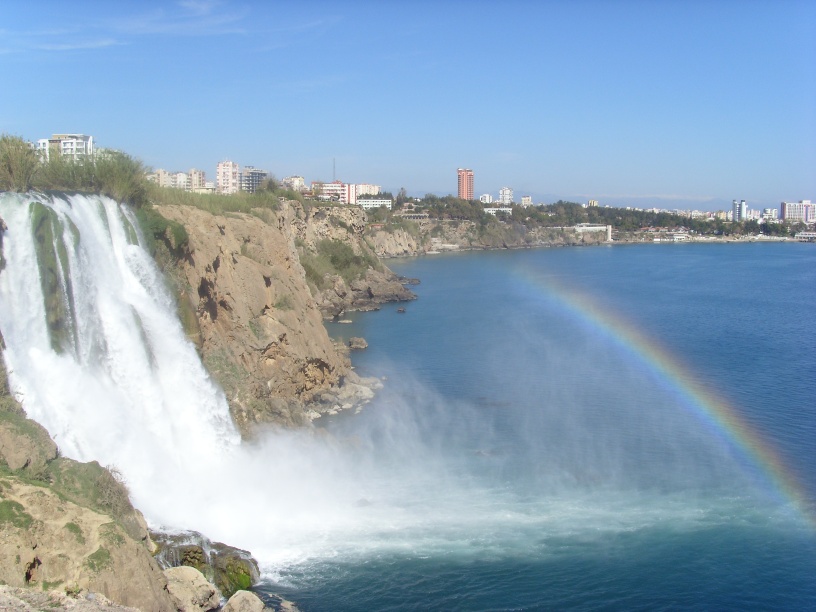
(614, 428)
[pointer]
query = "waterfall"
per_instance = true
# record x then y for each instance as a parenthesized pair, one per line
(94, 348)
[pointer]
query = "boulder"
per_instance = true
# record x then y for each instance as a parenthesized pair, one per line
(190, 590)
(357, 344)
(244, 601)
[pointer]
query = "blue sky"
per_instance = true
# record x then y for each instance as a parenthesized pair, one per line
(661, 103)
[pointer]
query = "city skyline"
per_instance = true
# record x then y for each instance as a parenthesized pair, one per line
(679, 105)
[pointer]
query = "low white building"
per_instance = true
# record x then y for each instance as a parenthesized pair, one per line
(369, 203)
(500, 209)
(486, 198)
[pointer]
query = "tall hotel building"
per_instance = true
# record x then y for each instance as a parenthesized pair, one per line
(804, 211)
(465, 183)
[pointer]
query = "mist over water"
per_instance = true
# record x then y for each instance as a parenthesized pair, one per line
(523, 443)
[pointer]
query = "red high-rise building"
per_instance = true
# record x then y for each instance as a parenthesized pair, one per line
(465, 183)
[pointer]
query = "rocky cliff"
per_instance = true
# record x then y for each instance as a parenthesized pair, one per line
(258, 286)
(410, 238)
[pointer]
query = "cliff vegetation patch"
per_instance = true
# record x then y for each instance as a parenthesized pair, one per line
(13, 513)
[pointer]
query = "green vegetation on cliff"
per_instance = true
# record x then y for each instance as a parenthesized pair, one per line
(336, 257)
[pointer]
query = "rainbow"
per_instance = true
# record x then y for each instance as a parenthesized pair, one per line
(713, 412)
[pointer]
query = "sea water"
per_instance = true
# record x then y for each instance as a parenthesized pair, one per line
(562, 407)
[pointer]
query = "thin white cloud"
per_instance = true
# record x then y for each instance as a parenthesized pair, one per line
(191, 18)
(195, 19)
(90, 44)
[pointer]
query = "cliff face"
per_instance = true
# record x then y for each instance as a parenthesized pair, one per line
(372, 286)
(257, 324)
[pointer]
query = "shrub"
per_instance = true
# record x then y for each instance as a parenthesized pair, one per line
(65, 174)
(121, 177)
(19, 163)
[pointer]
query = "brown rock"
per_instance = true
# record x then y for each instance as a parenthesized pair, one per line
(190, 590)
(262, 335)
(50, 542)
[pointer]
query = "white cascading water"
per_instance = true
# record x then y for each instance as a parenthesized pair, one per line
(117, 381)
(125, 388)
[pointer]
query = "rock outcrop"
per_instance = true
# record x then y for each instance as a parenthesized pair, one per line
(357, 344)
(48, 542)
(367, 293)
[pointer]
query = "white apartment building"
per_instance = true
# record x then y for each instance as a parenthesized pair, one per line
(506, 196)
(337, 191)
(180, 180)
(526, 201)
(295, 183)
(486, 198)
(228, 177)
(75, 146)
